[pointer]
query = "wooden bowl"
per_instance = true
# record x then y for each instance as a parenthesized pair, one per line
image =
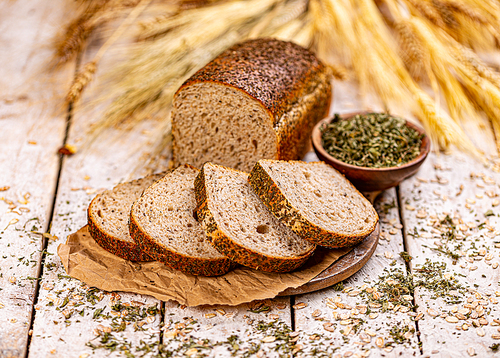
(365, 178)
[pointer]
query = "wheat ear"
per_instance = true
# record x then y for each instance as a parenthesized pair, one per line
(83, 78)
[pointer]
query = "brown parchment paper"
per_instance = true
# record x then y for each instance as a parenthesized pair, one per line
(85, 260)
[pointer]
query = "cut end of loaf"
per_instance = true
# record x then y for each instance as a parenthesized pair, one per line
(221, 124)
(315, 201)
(162, 222)
(241, 227)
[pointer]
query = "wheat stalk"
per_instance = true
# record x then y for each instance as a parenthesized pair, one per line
(83, 78)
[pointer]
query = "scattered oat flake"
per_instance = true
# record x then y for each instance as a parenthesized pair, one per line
(422, 180)
(373, 315)
(210, 315)
(379, 342)
(432, 312)
(300, 305)
(471, 351)
(409, 207)
(220, 311)
(4, 188)
(495, 336)
(191, 351)
(328, 326)
(480, 332)
(451, 319)
(268, 339)
(495, 202)
(393, 231)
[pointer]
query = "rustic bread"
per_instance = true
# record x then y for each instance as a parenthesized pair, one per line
(315, 201)
(259, 99)
(108, 215)
(239, 225)
(162, 222)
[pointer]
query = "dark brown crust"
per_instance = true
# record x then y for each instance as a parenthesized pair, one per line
(279, 75)
(175, 260)
(274, 72)
(224, 244)
(124, 249)
(280, 206)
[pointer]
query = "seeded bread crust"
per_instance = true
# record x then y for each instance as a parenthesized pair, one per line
(127, 250)
(176, 260)
(184, 263)
(280, 206)
(231, 249)
(292, 85)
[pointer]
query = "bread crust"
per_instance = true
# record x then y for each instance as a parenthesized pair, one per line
(121, 248)
(280, 206)
(175, 260)
(290, 82)
(127, 250)
(231, 249)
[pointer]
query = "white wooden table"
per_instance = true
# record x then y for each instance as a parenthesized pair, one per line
(44, 313)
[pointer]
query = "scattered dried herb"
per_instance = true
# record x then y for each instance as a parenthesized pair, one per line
(375, 140)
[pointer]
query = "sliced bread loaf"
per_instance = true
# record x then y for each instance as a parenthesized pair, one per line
(162, 222)
(239, 225)
(108, 215)
(258, 99)
(315, 201)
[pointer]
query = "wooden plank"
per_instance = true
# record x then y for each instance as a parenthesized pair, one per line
(341, 321)
(72, 319)
(32, 130)
(444, 186)
(318, 318)
(258, 329)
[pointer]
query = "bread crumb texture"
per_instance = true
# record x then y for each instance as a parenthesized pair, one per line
(108, 218)
(315, 201)
(239, 225)
(163, 223)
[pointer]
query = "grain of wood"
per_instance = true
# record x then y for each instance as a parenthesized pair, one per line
(70, 316)
(32, 130)
(259, 326)
(340, 322)
(448, 184)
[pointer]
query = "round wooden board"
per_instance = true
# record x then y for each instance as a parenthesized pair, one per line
(341, 269)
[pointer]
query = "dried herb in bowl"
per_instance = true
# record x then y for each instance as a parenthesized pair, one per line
(375, 140)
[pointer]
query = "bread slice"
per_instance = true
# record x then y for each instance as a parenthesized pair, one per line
(239, 225)
(258, 99)
(162, 222)
(108, 215)
(315, 201)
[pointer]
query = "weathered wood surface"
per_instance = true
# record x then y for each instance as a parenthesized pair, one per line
(70, 317)
(32, 129)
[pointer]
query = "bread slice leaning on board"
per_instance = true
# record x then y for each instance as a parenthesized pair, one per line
(162, 222)
(258, 99)
(108, 215)
(315, 201)
(239, 225)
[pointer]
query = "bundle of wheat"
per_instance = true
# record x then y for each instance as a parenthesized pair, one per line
(392, 47)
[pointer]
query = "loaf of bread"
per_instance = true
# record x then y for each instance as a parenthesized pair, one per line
(315, 201)
(258, 99)
(239, 225)
(108, 215)
(162, 222)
